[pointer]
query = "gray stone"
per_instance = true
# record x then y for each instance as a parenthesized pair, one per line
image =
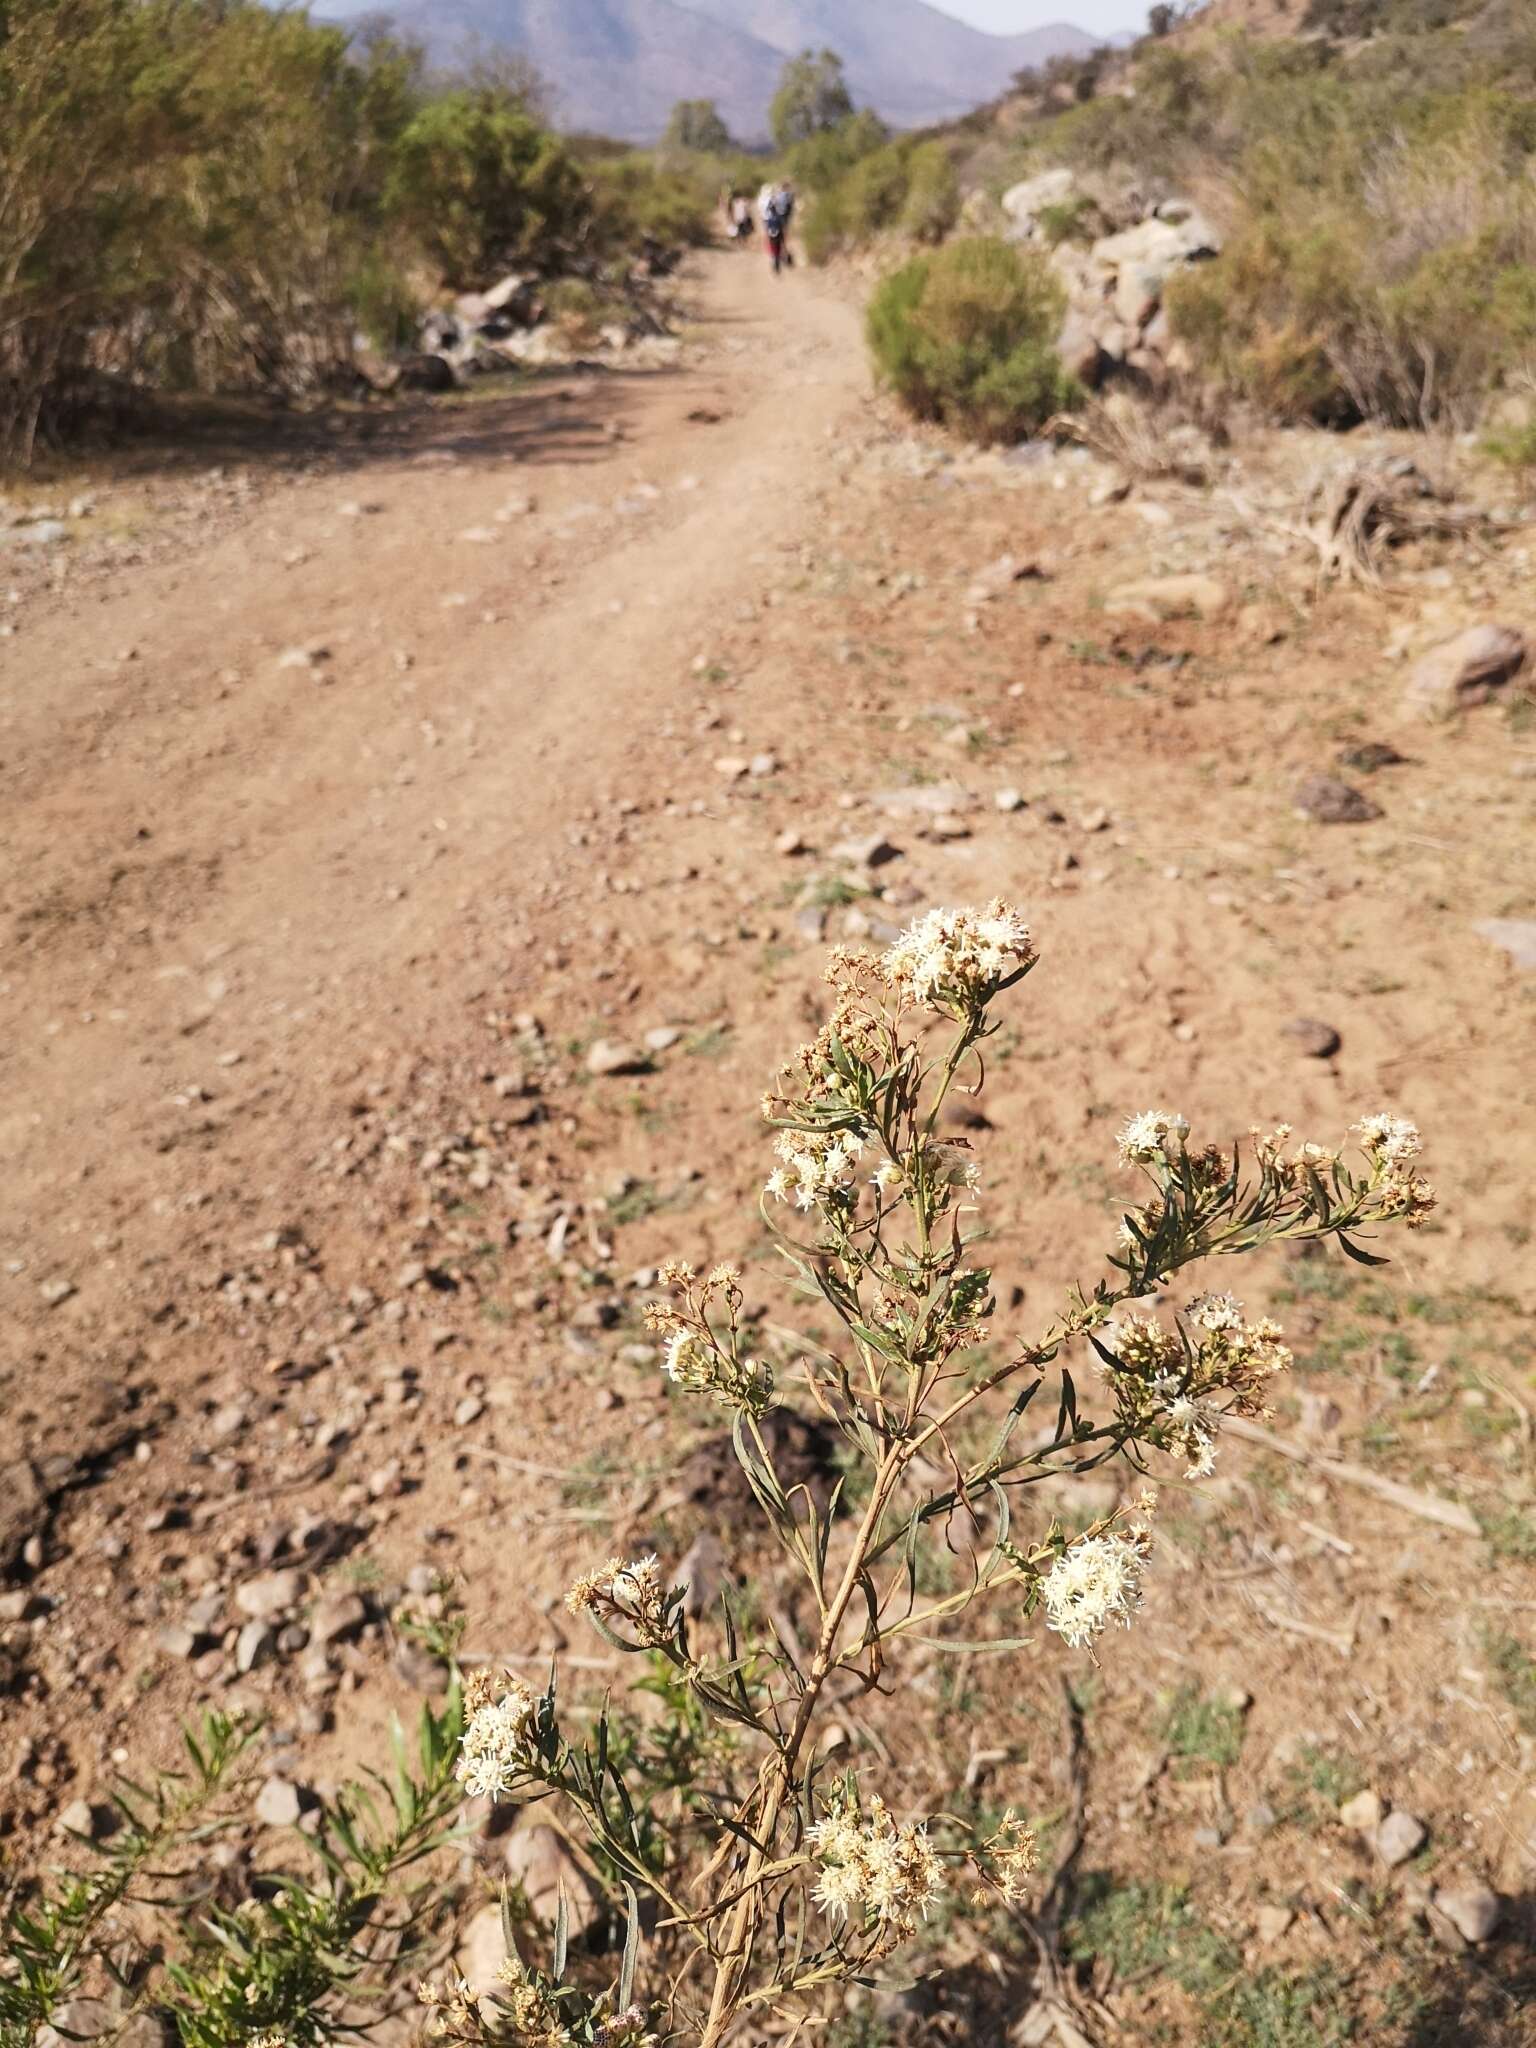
(78, 1818)
(541, 1861)
(1473, 1910)
(78, 2019)
(24, 1508)
(482, 1951)
(1515, 936)
(875, 851)
(278, 1804)
(1156, 598)
(1400, 1836)
(1311, 1036)
(1363, 1812)
(701, 1573)
(336, 1617)
(1465, 670)
(255, 1643)
(271, 1595)
(1025, 202)
(925, 800)
(179, 1643)
(1328, 801)
(608, 1056)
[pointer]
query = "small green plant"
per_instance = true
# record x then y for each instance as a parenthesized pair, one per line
(342, 1921)
(966, 336)
(1515, 1669)
(1201, 1730)
(1510, 1534)
(1142, 1929)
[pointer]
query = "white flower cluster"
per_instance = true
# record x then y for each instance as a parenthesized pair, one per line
(958, 957)
(703, 1368)
(814, 1167)
(888, 1872)
(1094, 1582)
(631, 1592)
(1391, 1139)
(495, 1749)
(1152, 1137)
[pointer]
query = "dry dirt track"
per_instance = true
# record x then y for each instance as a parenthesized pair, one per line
(357, 1258)
(209, 853)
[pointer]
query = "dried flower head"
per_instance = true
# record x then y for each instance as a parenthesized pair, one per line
(1095, 1581)
(1010, 1856)
(958, 959)
(891, 1873)
(497, 1745)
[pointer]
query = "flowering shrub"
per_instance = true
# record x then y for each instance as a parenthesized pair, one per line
(803, 1878)
(775, 1878)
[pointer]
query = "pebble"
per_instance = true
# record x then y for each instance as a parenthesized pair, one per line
(1329, 801)
(309, 658)
(610, 1056)
(1274, 1922)
(272, 1594)
(1473, 1910)
(1309, 1035)
(78, 1818)
(733, 767)
(469, 1410)
(1515, 936)
(278, 1804)
(1009, 800)
(1400, 1836)
(1363, 1812)
(663, 1037)
(482, 1951)
(253, 1646)
(790, 842)
(56, 1292)
(336, 1617)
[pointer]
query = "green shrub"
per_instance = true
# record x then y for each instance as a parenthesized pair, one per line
(636, 200)
(486, 188)
(966, 336)
(932, 203)
(188, 194)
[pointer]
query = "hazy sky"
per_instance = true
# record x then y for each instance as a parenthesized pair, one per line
(1011, 17)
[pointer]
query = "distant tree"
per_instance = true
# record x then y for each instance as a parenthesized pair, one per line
(813, 96)
(697, 125)
(1162, 19)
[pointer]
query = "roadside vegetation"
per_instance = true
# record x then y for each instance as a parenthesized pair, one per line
(220, 197)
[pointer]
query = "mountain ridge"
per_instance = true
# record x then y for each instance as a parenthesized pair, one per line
(618, 66)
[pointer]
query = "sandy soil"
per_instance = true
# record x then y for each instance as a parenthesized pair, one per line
(338, 828)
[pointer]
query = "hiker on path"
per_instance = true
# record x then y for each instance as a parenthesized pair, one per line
(776, 218)
(741, 219)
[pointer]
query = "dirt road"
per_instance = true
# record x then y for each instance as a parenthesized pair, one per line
(214, 848)
(409, 884)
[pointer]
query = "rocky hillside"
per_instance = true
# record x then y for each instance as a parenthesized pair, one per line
(618, 66)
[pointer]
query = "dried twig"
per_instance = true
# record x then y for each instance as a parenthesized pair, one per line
(1429, 1507)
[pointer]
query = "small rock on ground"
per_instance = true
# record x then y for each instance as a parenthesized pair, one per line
(1328, 801)
(1400, 1836)
(1309, 1035)
(1473, 1910)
